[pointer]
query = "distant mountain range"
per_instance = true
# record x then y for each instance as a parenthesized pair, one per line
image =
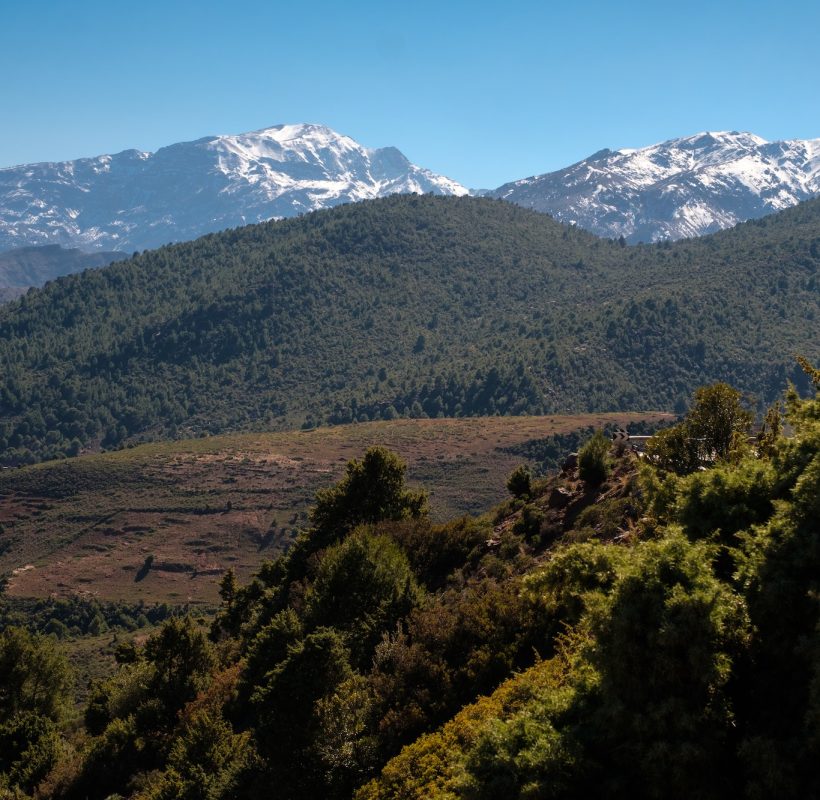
(134, 200)
(676, 189)
(24, 267)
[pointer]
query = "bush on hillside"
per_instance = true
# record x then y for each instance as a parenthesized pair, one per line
(519, 482)
(593, 459)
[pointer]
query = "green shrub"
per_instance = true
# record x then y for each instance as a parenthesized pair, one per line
(593, 459)
(529, 523)
(520, 757)
(363, 586)
(726, 500)
(519, 482)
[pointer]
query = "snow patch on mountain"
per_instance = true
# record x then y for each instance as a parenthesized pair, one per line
(684, 187)
(135, 200)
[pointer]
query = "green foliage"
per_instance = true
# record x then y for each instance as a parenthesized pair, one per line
(34, 676)
(675, 450)
(435, 765)
(723, 501)
(371, 490)
(363, 586)
(287, 711)
(679, 661)
(770, 432)
(812, 372)
(437, 551)
(461, 644)
(133, 715)
(717, 418)
(294, 322)
(110, 760)
(181, 660)
(549, 454)
(572, 577)
(519, 482)
(608, 518)
(663, 682)
(34, 690)
(118, 697)
(33, 266)
(74, 616)
(524, 757)
(714, 429)
(780, 570)
(346, 744)
(687, 679)
(529, 523)
(206, 762)
(269, 648)
(593, 459)
(228, 588)
(30, 745)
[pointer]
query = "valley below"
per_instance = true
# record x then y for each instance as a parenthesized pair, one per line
(161, 522)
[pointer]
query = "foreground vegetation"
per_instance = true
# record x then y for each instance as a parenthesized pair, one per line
(406, 306)
(618, 630)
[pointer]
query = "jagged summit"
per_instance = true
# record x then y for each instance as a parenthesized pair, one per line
(684, 187)
(135, 200)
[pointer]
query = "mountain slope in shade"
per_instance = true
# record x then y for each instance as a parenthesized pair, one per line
(676, 189)
(8, 293)
(25, 267)
(135, 200)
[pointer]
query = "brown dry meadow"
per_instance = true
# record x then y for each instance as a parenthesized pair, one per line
(161, 522)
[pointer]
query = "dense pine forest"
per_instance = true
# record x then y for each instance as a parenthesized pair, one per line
(638, 628)
(407, 306)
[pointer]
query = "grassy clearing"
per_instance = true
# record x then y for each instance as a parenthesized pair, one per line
(161, 521)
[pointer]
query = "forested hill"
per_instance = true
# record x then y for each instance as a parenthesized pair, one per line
(406, 305)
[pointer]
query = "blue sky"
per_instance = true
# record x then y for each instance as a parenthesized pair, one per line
(483, 92)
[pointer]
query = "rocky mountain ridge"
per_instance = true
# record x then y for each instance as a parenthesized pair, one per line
(136, 200)
(676, 189)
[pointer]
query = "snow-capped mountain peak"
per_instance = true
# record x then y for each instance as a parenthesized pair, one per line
(683, 187)
(134, 200)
